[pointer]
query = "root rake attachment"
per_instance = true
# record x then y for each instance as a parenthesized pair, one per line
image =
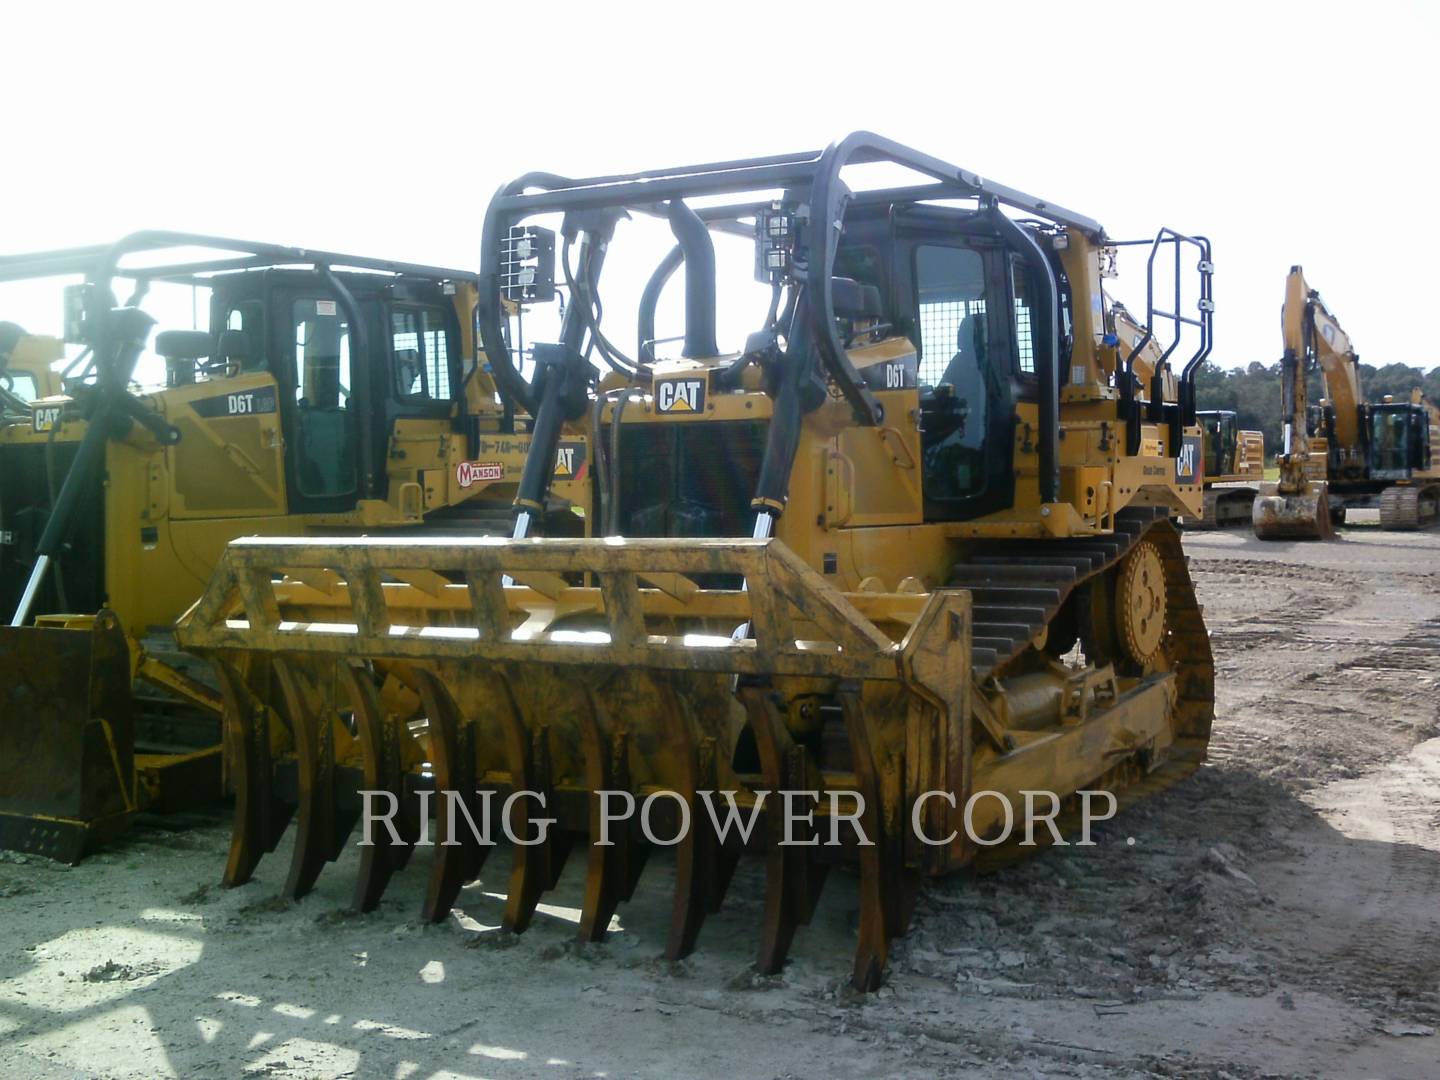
(454, 676)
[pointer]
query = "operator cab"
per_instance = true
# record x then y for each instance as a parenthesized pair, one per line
(967, 301)
(341, 388)
(1220, 430)
(1399, 440)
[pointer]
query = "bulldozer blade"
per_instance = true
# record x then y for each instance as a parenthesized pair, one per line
(1299, 516)
(554, 675)
(67, 740)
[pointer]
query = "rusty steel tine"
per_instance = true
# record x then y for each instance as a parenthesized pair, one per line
(719, 865)
(533, 867)
(605, 867)
(380, 755)
(792, 877)
(808, 873)
(773, 745)
(875, 922)
(452, 761)
(260, 817)
(692, 853)
(315, 759)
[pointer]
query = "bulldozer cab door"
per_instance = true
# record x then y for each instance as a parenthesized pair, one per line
(970, 316)
(321, 462)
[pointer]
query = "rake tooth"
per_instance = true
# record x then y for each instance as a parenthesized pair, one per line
(311, 709)
(611, 872)
(793, 880)
(260, 817)
(719, 862)
(691, 863)
(886, 888)
(379, 737)
(534, 867)
(452, 760)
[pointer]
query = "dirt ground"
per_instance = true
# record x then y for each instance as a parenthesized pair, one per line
(1277, 915)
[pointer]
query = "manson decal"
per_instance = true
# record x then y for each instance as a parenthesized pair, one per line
(237, 403)
(682, 394)
(569, 461)
(468, 473)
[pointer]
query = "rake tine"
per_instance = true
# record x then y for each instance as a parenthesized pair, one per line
(790, 880)
(452, 759)
(311, 714)
(534, 867)
(691, 862)
(380, 755)
(875, 921)
(719, 862)
(610, 871)
(260, 817)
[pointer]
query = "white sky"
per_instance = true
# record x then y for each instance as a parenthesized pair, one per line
(1287, 132)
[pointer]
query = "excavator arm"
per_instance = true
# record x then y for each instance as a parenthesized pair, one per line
(1314, 333)
(1297, 507)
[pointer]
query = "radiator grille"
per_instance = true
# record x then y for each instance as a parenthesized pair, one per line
(689, 479)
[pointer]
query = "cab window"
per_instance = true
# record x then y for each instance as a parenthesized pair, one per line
(21, 384)
(421, 353)
(1024, 304)
(950, 283)
(247, 318)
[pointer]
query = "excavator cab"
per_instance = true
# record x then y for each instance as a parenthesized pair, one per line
(1221, 441)
(1398, 440)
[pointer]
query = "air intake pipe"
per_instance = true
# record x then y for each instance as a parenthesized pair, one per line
(699, 253)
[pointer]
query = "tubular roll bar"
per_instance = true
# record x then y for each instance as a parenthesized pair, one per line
(816, 174)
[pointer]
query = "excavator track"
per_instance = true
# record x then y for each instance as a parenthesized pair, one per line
(1406, 507)
(1224, 506)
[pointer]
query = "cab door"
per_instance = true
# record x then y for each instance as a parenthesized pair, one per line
(322, 404)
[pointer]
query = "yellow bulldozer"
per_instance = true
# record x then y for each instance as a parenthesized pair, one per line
(902, 556)
(1344, 452)
(328, 393)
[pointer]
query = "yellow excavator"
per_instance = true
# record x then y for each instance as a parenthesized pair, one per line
(905, 553)
(1344, 452)
(328, 393)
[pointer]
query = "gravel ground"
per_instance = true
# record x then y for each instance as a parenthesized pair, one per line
(1275, 916)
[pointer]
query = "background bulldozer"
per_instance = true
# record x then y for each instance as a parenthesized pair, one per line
(1343, 452)
(327, 393)
(911, 543)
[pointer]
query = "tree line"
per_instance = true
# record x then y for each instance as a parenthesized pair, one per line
(1254, 392)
